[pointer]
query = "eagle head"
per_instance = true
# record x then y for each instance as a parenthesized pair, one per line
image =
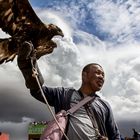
(54, 30)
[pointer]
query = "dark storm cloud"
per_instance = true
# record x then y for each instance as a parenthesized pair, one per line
(15, 99)
(126, 127)
(15, 104)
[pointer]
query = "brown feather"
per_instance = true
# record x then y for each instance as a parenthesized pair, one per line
(6, 51)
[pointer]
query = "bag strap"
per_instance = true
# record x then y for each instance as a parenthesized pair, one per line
(80, 104)
(99, 121)
(92, 117)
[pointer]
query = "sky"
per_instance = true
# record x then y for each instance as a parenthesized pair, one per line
(101, 31)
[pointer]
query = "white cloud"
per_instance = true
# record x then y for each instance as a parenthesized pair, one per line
(119, 20)
(9, 73)
(3, 34)
(125, 108)
(112, 19)
(63, 65)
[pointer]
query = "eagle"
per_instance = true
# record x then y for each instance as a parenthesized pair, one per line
(19, 20)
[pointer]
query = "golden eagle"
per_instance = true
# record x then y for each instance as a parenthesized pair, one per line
(18, 19)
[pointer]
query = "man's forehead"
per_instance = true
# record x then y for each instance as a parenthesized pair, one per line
(96, 67)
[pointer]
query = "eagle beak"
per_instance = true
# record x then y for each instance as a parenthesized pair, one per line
(61, 34)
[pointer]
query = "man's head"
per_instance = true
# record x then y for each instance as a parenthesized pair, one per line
(92, 78)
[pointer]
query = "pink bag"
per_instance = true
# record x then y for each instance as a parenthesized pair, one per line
(53, 132)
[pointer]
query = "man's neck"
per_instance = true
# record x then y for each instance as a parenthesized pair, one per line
(86, 92)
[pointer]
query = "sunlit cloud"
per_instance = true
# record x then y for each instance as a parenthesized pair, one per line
(3, 34)
(119, 21)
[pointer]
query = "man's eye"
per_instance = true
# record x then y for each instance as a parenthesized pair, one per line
(97, 72)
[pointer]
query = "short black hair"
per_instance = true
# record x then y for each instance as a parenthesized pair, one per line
(87, 67)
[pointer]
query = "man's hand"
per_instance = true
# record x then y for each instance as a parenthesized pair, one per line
(26, 61)
(26, 54)
(26, 50)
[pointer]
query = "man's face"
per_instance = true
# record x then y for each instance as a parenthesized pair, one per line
(94, 78)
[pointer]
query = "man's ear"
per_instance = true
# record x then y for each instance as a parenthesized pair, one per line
(84, 76)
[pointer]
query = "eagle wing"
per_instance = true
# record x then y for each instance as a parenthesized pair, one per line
(18, 19)
(17, 16)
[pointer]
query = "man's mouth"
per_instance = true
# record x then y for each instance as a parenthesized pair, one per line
(100, 83)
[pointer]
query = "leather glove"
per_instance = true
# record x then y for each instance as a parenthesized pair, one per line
(25, 50)
(27, 55)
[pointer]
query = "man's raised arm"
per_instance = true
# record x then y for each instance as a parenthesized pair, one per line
(25, 54)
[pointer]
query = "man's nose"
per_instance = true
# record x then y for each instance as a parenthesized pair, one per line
(101, 77)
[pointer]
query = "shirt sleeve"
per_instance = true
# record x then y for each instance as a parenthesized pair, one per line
(111, 126)
(50, 94)
(54, 96)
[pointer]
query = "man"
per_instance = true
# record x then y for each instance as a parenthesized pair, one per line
(91, 119)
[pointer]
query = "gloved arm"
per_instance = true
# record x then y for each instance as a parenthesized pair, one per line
(25, 53)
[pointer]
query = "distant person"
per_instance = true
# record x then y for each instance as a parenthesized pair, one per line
(81, 125)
